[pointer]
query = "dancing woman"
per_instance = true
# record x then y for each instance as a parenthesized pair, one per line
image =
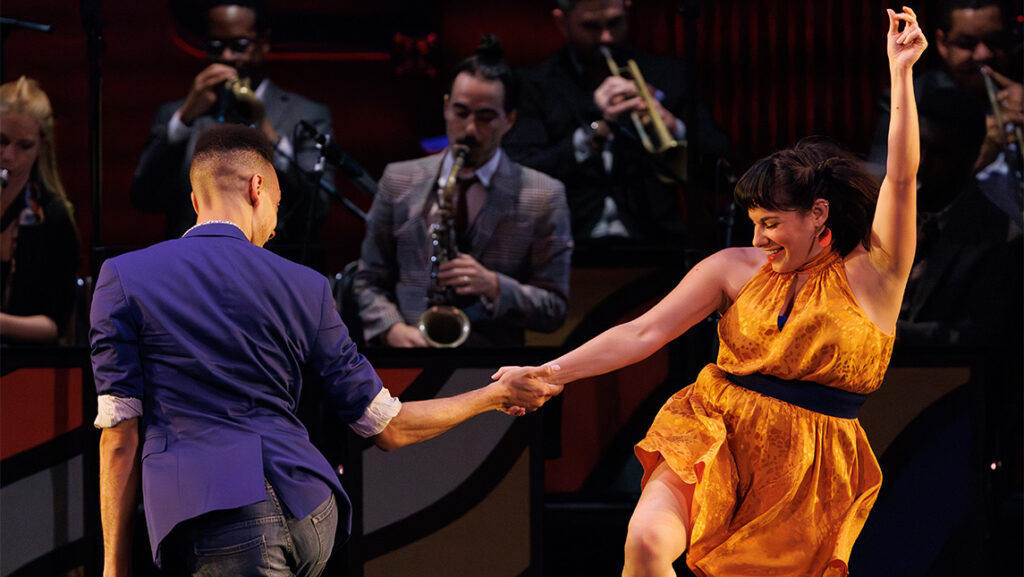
(760, 466)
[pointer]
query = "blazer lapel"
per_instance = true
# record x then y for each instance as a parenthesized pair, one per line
(501, 198)
(423, 187)
(275, 104)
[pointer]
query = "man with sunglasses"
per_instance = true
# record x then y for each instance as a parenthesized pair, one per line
(973, 35)
(237, 41)
(966, 282)
(574, 124)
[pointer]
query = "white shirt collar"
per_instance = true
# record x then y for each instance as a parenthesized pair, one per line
(197, 225)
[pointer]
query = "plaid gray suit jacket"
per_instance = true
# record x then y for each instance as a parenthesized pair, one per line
(522, 233)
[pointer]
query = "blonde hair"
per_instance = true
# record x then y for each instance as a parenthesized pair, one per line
(24, 96)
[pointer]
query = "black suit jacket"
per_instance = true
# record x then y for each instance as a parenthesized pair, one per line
(161, 183)
(966, 288)
(556, 101)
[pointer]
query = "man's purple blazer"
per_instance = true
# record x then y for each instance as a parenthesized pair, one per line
(217, 337)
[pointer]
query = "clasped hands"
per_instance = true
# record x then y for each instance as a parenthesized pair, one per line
(526, 389)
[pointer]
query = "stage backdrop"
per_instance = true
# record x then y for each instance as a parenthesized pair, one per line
(771, 71)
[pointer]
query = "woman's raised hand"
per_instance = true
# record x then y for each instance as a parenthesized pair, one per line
(904, 46)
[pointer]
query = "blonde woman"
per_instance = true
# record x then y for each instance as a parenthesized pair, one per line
(38, 240)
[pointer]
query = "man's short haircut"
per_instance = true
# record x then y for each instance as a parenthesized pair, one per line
(228, 139)
(259, 8)
(488, 62)
(566, 5)
(946, 8)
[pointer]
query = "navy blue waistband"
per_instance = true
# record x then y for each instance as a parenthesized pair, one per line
(805, 394)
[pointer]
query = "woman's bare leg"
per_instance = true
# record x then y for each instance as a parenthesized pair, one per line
(659, 527)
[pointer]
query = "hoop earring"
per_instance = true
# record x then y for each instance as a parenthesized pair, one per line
(825, 238)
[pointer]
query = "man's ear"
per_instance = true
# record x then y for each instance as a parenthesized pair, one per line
(560, 21)
(255, 188)
(940, 43)
(265, 39)
(195, 201)
(511, 118)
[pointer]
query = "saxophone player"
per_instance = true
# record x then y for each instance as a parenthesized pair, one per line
(236, 41)
(511, 224)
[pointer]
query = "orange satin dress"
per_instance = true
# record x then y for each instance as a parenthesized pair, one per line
(779, 490)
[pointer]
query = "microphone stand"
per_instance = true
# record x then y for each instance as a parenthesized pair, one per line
(324, 186)
(318, 174)
(337, 157)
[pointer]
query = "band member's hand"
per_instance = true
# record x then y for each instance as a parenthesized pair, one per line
(994, 143)
(403, 336)
(904, 46)
(667, 117)
(528, 388)
(469, 277)
(203, 94)
(615, 96)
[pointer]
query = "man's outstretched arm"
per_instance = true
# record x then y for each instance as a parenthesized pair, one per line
(421, 420)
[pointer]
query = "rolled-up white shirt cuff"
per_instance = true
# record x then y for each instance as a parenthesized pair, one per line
(112, 410)
(176, 129)
(378, 414)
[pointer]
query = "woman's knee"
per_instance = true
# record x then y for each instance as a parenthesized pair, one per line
(651, 544)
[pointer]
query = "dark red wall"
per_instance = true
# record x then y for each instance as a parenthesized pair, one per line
(773, 71)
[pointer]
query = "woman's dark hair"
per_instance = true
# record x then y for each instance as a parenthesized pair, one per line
(816, 167)
(488, 62)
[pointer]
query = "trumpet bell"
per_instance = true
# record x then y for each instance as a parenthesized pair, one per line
(444, 326)
(675, 160)
(244, 105)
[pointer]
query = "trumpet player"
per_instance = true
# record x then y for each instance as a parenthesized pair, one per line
(236, 41)
(973, 40)
(575, 124)
(511, 226)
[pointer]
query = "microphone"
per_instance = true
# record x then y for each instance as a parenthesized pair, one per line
(5, 175)
(335, 155)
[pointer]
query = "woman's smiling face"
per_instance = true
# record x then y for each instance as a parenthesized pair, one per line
(789, 238)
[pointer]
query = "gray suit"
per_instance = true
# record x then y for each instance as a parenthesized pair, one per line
(522, 233)
(161, 183)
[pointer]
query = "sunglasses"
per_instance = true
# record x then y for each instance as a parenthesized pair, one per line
(239, 45)
(995, 42)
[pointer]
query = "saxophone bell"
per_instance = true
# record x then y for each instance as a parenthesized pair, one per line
(444, 326)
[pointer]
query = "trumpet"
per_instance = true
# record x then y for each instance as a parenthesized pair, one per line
(650, 128)
(444, 325)
(239, 103)
(990, 87)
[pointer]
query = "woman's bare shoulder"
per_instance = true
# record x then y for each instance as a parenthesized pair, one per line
(735, 266)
